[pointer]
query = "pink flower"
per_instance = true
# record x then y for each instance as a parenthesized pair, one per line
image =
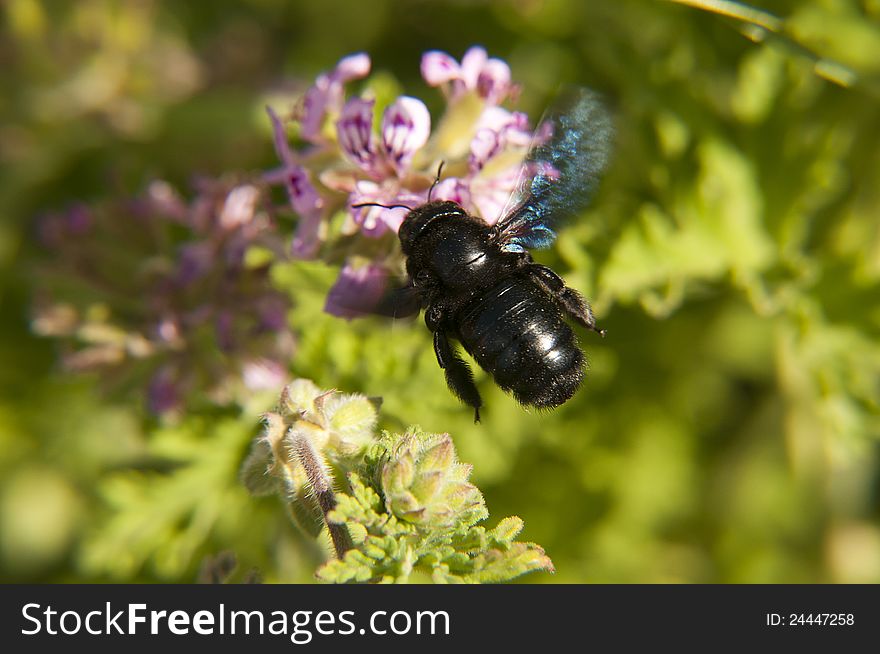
(304, 198)
(383, 171)
(454, 189)
(263, 374)
(354, 130)
(406, 125)
(376, 221)
(498, 130)
(491, 195)
(239, 207)
(183, 310)
(491, 184)
(327, 94)
(488, 78)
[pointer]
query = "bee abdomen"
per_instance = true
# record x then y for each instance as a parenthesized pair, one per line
(517, 334)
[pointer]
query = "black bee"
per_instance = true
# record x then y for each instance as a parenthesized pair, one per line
(479, 285)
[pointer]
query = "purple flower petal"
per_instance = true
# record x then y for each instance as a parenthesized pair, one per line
(453, 189)
(279, 138)
(519, 132)
(351, 67)
(357, 291)
(376, 221)
(307, 203)
(489, 78)
(472, 65)
(239, 207)
(493, 81)
(496, 118)
(498, 130)
(327, 94)
(263, 374)
(307, 237)
(406, 125)
(438, 68)
(492, 195)
(485, 145)
(355, 132)
(314, 108)
(393, 218)
(304, 198)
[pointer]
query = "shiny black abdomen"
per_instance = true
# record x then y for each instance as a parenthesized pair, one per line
(516, 332)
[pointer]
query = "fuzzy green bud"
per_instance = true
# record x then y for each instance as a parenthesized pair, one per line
(342, 424)
(424, 484)
(309, 430)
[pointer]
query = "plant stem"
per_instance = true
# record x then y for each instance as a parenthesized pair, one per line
(760, 24)
(737, 10)
(322, 487)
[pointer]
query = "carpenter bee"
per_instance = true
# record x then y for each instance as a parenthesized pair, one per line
(479, 285)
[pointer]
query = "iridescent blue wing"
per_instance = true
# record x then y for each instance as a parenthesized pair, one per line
(563, 170)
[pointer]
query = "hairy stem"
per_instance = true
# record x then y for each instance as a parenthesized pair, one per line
(321, 485)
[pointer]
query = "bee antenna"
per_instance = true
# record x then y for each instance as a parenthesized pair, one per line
(436, 179)
(384, 206)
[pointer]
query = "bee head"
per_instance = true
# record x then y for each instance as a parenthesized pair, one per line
(418, 219)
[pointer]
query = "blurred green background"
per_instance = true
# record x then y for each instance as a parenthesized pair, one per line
(728, 430)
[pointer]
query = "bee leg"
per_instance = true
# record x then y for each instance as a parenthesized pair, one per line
(577, 308)
(458, 374)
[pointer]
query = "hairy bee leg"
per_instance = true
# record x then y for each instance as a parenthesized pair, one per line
(458, 374)
(569, 299)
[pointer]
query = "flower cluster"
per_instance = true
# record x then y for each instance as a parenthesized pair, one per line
(350, 156)
(167, 295)
(175, 296)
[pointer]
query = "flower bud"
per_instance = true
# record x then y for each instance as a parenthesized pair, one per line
(425, 485)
